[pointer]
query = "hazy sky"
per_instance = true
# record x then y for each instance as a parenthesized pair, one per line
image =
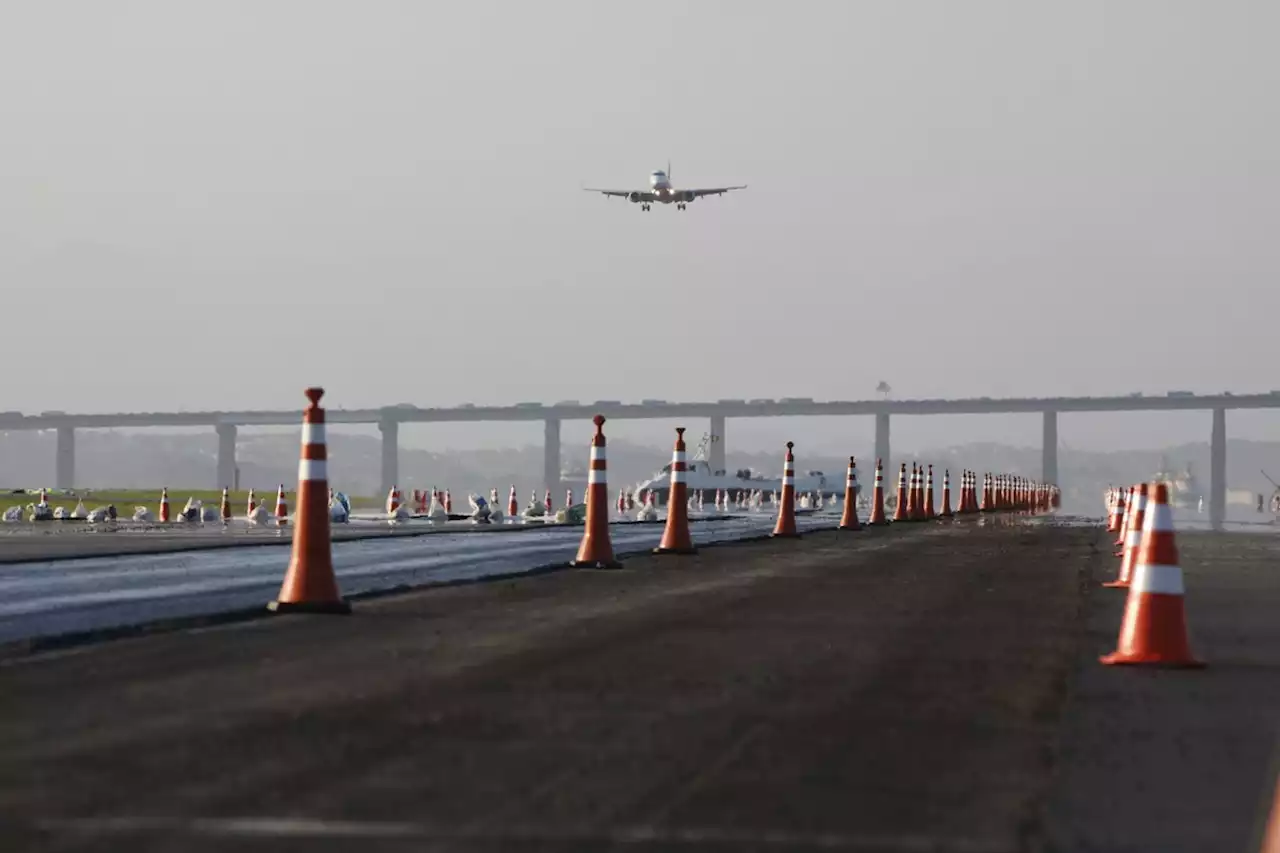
(213, 204)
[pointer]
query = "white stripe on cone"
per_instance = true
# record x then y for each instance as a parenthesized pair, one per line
(1162, 580)
(310, 470)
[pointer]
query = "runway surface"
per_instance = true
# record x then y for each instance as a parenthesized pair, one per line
(921, 688)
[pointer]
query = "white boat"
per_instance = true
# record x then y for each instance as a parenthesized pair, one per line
(1184, 490)
(701, 478)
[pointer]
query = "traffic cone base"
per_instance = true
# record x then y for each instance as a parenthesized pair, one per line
(336, 607)
(598, 564)
(1154, 634)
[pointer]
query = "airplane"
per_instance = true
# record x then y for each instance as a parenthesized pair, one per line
(661, 190)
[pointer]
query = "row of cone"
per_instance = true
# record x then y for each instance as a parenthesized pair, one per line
(310, 583)
(423, 500)
(1154, 627)
(165, 514)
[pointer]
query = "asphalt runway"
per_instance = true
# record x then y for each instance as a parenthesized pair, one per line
(923, 688)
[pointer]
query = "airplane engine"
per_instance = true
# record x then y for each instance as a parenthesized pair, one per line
(687, 196)
(633, 198)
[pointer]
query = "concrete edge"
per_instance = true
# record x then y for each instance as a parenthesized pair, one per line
(135, 549)
(73, 639)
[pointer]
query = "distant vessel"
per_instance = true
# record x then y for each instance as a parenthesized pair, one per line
(701, 478)
(1275, 497)
(574, 479)
(1184, 489)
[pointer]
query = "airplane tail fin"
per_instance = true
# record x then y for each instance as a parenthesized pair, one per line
(668, 168)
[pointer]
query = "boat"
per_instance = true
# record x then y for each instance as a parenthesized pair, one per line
(1184, 489)
(574, 478)
(1274, 504)
(701, 479)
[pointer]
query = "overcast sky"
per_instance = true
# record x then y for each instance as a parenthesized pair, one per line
(214, 204)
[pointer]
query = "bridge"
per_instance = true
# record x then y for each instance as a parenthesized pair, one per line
(389, 418)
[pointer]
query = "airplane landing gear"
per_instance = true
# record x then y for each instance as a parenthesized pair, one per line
(680, 206)
(645, 208)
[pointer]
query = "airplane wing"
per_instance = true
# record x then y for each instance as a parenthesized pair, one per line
(714, 191)
(644, 196)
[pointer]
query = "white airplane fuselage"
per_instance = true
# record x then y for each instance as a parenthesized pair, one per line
(660, 186)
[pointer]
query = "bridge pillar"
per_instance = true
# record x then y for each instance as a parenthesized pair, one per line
(64, 474)
(226, 456)
(390, 430)
(551, 455)
(882, 446)
(1218, 470)
(1049, 449)
(716, 448)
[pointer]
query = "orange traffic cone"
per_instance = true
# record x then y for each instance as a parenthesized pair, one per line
(676, 538)
(877, 518)
(786, 526)
(1128, 514)
(513, 506)
(1132, 539)
(946, 512)
(900, 505)
(164, 504)
(928, 495)
(224, 509)
(596, 551)
(251, 504)
(310, 585)
(1117, 513)
(1155, 625)
(393, 500)
(1271, 834)
(849, 519)
(282, 507)
(913, 495)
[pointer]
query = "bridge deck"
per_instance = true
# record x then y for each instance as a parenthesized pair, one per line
(883, 691)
